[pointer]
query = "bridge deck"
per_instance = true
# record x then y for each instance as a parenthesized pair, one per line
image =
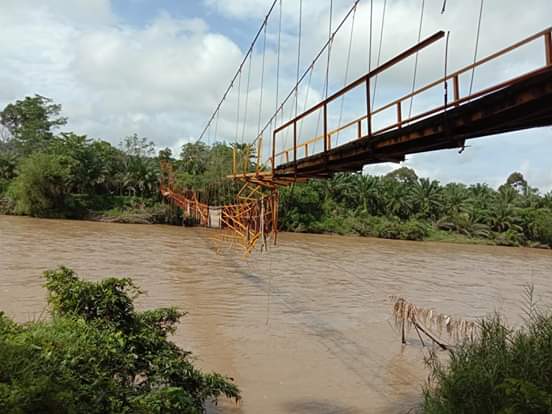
(521, 104)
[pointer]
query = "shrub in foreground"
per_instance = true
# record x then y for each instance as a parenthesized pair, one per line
(503, 371)
(97, 354)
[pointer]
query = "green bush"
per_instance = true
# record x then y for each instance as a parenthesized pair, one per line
(502, 371)
(391, 228)
(99, 355)
(41, 187)
(414, 230)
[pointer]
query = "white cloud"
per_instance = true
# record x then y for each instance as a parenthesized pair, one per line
(112, 79)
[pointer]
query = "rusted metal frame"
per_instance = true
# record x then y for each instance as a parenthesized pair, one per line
(368, 108)
(456, 74)
(548, 47)
(468, 98)
(232, 227)
(366, 78)
(391, 62)
(456, 89)
(399, 114)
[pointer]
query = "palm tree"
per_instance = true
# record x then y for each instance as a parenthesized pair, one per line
(427, 195)
(455, 198)
(367, 190)
(502, 217)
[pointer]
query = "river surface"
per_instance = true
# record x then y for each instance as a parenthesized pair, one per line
(305, 328)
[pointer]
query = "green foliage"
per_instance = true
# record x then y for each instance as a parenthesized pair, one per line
(502, 371)
(30, 122)
(402, 206)
(99, 355)
(41, 189)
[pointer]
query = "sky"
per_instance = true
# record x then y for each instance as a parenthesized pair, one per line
(158, 68)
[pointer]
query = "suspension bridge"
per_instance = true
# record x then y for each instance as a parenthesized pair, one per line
(328, 137)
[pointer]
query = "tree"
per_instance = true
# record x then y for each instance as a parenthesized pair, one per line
(194, 157)
(141, 171)
(517, 181)
(427, 196)
(42, 187)
(403, 175)
(165, 154)
(30, 122)
(98, 355)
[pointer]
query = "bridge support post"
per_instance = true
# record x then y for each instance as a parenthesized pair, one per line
(456, 89)
(325, 116)
(548, 46)
(273, 160)
(399, 114)
(295, 143)
(368, 107)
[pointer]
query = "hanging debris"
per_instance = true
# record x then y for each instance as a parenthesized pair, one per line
(408, 315)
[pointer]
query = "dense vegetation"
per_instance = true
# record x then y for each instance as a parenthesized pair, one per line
(401, 205)
(502, 371)
(69, 175)
(97, 354)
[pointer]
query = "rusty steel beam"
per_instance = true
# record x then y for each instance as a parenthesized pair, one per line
(523, 104)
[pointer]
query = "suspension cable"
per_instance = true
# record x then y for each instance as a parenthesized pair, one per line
(311, 66)
(262, 80)
(370, 41)
(299, 34)
(278, 58)
(346, 73)
(327, 79)
(330, 37)
(476, 44)
(232, 82)
(311, 70)
(247, 98)
(379, 52)
(216, 126)
(416, 59)
(238, 109)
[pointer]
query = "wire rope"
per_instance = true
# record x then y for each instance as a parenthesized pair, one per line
(270, 122)
(476, 44)
(262, 80)
(416, 59)
(232, 82)
(247, 99)
(299, 34)
(347, 65)
(327, 78)
(379, 52)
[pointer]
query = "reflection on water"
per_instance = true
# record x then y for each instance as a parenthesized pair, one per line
(303, 329)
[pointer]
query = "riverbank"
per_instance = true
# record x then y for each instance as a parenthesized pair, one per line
(108, 209)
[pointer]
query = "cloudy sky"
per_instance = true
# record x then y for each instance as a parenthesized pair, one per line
(159, 67)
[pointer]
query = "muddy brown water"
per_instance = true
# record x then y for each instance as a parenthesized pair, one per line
(305, 328)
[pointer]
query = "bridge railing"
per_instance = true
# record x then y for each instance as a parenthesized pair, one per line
(291, 153)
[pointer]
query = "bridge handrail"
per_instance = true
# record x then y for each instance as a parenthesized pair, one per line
(546, 33)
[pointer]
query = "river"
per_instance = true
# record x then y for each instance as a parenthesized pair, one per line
(304, 328)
